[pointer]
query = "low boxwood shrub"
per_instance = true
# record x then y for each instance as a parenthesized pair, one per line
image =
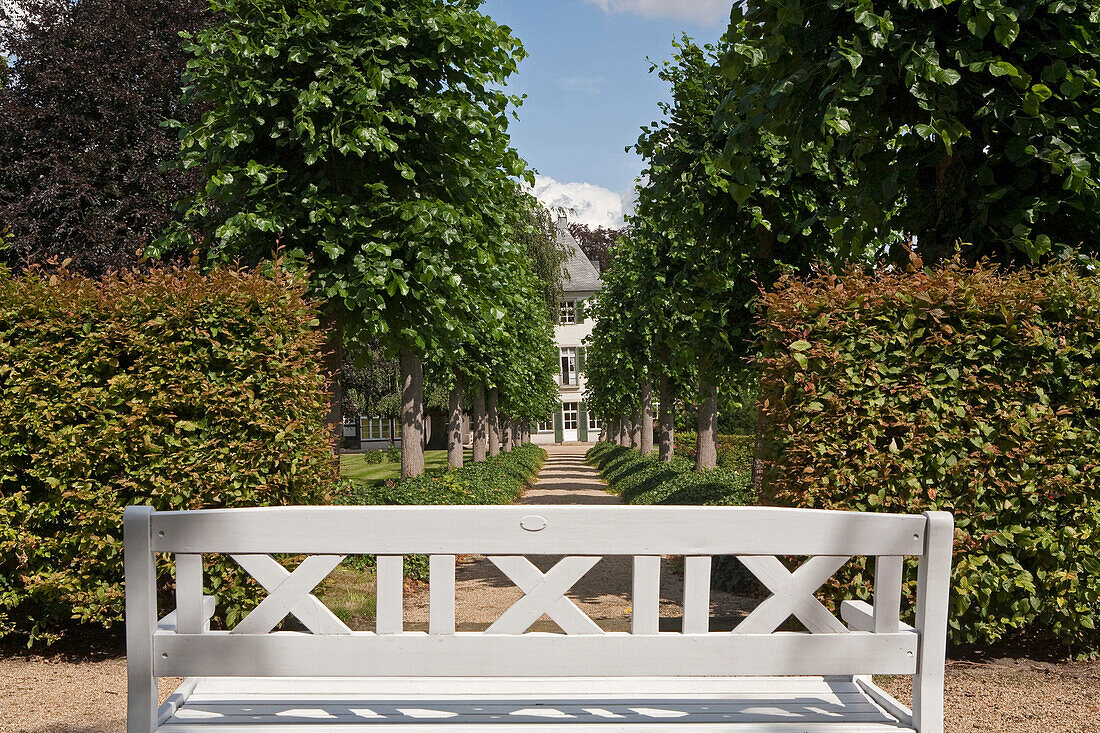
(374, 457)
(969, 389)
(500, 479)
(176, 389)
(641, 479)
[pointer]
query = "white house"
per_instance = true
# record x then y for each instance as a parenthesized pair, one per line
(581, 286)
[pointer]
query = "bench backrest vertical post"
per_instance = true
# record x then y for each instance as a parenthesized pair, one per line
(141, 619)
(933, 585)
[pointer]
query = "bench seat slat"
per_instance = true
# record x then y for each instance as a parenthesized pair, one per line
(818, 705)
(534, 654)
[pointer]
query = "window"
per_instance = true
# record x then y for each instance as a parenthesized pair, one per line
(547, 425)
(397, 430)
(570, 420)
(568, 311)
(594, 423)
(376, 428)
(569, 366)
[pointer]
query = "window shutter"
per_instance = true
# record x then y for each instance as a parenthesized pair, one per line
(582, 424)
(579, 312)
(559, 434)
(580, 360)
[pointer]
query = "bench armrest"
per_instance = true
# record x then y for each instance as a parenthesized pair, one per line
(860, 616)
(168, 623)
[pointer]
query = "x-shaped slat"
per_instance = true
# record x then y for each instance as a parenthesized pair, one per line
(544, 594)
(793, 594)
(290, 593)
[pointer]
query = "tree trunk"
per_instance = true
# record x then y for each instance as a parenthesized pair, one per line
(646, 445)
(332, 363)
(667, 421)
(636, 431)
(412, 415)
(454, 426)
(706, 454)
(506, 434)
(624, 432)
(480, 423)
(494, 422)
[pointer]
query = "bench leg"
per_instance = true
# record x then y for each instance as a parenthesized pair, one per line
(933, 588)
(141, 619)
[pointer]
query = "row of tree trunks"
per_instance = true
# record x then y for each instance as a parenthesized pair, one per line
(506, 434)
(667, 421)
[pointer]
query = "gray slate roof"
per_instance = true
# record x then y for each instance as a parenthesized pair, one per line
(580, 275)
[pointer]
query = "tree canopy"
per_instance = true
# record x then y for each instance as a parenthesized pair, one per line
(80, 137)
(974, 121)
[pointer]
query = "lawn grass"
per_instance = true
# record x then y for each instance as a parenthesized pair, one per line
(349, 592)
(353, 466)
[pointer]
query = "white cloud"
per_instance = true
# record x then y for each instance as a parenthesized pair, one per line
(586, 203)
(703, 12)
(590, 85)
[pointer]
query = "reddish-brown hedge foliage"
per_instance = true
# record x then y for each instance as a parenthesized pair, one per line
(176, 389)
(968, 389)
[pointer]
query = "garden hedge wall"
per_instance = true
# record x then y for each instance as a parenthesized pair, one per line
(176, 389)
(973, 390)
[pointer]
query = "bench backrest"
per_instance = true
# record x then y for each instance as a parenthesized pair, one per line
(758, 536)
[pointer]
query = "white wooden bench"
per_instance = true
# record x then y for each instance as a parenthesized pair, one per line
(251, 679)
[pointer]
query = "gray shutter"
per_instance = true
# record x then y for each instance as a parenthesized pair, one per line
(580, 360)
(559, 433)
(582, 424)
(579, 312)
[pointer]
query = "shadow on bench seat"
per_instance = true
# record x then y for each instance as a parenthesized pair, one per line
(836, 705)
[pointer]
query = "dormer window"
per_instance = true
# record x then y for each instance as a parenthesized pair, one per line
(568, 312)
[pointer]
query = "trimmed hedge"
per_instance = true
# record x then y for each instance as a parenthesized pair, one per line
(735, 451)
(500, 479)
(175, 389)
(646, 480)
(967, 389)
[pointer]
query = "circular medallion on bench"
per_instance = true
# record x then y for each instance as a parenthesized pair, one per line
(533, 523)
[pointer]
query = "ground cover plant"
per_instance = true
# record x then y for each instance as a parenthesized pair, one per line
(972, 390)
(176, 389)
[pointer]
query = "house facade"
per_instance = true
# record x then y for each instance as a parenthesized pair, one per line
(582, 285)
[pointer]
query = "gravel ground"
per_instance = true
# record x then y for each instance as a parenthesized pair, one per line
(67, 693)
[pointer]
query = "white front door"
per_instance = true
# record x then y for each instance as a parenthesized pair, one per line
(570, 412)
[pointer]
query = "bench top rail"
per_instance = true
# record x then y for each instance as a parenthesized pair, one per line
(538, 530)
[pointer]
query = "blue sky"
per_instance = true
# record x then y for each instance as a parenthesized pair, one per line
(589, 91)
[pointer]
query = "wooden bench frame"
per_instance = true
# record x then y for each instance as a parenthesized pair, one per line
(873, 641)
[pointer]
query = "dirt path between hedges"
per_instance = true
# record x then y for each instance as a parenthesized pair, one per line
(74, 693)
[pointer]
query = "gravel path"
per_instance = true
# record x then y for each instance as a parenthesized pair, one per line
(67, 694)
